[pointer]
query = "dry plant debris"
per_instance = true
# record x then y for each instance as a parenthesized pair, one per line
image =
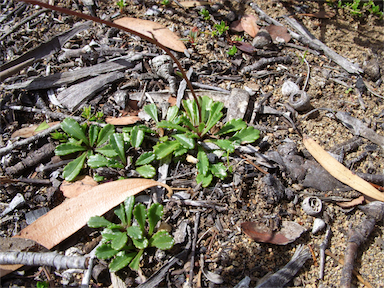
(240, 53)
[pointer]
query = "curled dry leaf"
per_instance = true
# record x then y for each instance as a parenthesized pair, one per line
(30, 131)
(259, 232)
(339, 171)
(352, 203)
(245, 47)
(153, 30)
(74, 189)
(126, 120)
(278, 32)
(71, 215)
(247, 23)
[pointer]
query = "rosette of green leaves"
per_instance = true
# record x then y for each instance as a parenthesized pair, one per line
(187, 129)
(101, 146)
(124, 242)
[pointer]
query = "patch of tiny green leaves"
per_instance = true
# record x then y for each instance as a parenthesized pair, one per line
(125, 242)
(220, 29)
(185, 132)
(359, 8)
(232, 51)
(205, 13)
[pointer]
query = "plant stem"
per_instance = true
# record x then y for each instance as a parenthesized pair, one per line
(111, 24)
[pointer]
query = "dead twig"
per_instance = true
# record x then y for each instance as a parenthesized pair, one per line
(375, 213)
(193, 248)
(323, 246)
(264, 62)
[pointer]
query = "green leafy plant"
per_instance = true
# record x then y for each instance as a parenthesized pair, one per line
(121, 4)
(359, 8)
(42, 284)
(239, 38)
(125, 242)
(220, 29)
(232, 51)
(165, 2)
(187, 131)
(205, 13)
(192, 36)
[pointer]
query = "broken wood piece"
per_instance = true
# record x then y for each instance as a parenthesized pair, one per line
(358, 235)
(73, 97)
(359, 128)
(339, 171)
(65, 78)
(43, 50)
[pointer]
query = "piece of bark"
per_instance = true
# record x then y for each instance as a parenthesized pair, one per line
(73, 97)
(31, 160)
(375, 213)
(43, 50)
(359, 128)
(65, 78)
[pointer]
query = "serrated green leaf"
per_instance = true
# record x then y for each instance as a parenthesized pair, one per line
(93, 134)
(147, 171)
(180, 151)
(97, 160)
(119, 240)
(155, 212)
(247, 135)
(219, 170)
(145, 158)
(151, 110)
(107, 151)
(204, 180)
(128, 205)
(105, 251)
(214, 116)
(74, 167)
(68, 148)
(225, 144)
(104, 134)
(172, 113)
(142, 127)
(110, 232)
(185, 120)
(112, 163)
(117, 142)
(136, 261)
(232, 126)
(135, 232)
(185, 141)
(170, 125)
(205, 106)
(140, 214)
(98, 221)
(120, 213)
(137, 137)
(98, 178)
(164, 149)
(140, 243)
(44, 125)
(72, 128)
(121, 260)
(162, 240)
(190, 107)
(203, 164)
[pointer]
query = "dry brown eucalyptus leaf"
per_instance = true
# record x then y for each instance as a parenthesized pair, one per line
(80, 185)
(339, 171)
(71, 215)
(322, 14)
(125, 120)
(352, 203)
(30, 131)
(153, 30)
(277, 32)
(259, 232)
(247, 23)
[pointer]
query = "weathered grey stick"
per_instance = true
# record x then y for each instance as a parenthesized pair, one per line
(375, 213)
(45, 258)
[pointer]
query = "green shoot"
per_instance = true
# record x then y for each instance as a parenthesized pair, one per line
(205, 13)
(232, 51)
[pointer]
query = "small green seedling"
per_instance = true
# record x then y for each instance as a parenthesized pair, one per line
(349, 90)
(239, 38)
(192, 36)
(186, 131)
(220, 29)
(165, 2)
(232, 51)
(205, 13)
(121, 4)
(125, 242)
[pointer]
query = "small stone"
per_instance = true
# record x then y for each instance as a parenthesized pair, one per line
(262, 39)
(372, 70)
